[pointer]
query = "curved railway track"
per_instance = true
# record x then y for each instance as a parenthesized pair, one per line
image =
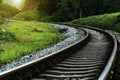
(89, 59)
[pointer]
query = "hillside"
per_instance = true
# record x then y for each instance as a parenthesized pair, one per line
(29, 12)
(35, 10)
(7, 10)
(105, 21)
(31, 5)
(47, 6)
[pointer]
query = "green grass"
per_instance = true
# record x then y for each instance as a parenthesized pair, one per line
(108, 21)
(22, 38)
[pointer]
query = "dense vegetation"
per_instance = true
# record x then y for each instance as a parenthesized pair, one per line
(31, 15)
(106, 21)
(64, 10)
(7, 10)
(21, 38)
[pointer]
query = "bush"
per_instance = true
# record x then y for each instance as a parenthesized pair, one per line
(107, 21)
(1, 21)
(117, 27)
(6, 35)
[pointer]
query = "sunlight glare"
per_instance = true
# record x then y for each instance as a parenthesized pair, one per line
(18, 1)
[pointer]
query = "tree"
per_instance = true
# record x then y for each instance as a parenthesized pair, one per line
(67, 10)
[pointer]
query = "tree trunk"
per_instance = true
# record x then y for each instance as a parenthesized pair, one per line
(80, 8)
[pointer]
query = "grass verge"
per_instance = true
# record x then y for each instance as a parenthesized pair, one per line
(20, 38)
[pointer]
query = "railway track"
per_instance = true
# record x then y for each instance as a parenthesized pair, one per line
(89, 59)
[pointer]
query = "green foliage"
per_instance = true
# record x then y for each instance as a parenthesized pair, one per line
(60, 10)
(6, 35)
(7, 11)
(71, 9)
(108, 21)
(47, 6)
(30, 36)
(117, 27)
(31, 15)
(1, 21)
(66, 10)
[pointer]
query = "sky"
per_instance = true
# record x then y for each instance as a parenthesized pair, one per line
(16, 3)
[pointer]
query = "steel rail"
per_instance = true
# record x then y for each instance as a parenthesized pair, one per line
(111, 62)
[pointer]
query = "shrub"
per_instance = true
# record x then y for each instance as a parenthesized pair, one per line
(107, 21)
(117, 27)
(6, 35)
